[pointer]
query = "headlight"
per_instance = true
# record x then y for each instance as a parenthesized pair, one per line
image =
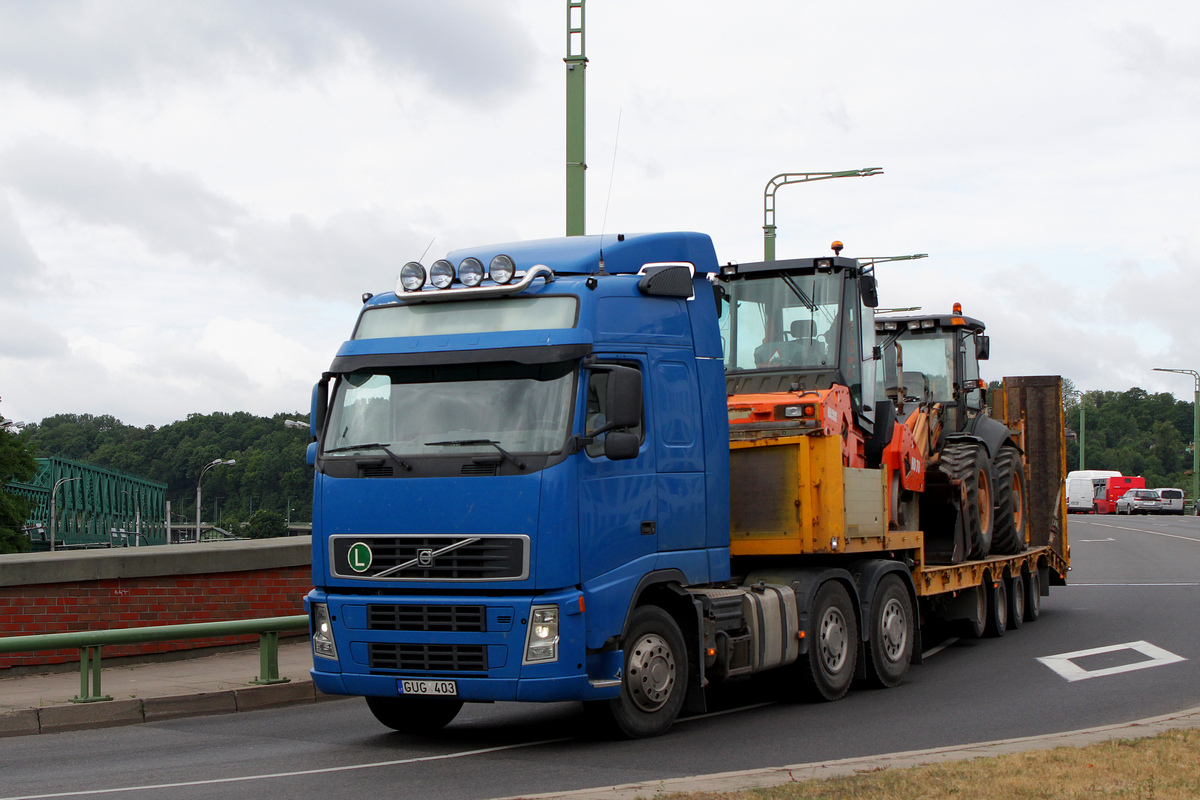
(502, 269)
(541, 642)
(412, 277)
(441, 274)
(322, 635)
(470, 272)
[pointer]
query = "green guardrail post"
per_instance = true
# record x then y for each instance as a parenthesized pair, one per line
(268, 659)
(89, 693)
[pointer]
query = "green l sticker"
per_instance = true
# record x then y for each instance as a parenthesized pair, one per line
(360, 557)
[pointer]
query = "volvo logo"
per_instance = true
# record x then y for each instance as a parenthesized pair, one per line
(424, 556)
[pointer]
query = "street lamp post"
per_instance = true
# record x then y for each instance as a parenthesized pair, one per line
(1195, 429)
(783, 179)
(54, 507)
(216, 462)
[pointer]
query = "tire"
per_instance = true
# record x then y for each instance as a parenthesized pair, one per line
(654, 680)
(892, 633)
(1011, 504)
(1033, 595)
(997, 613)
(827, 669)
(414, 714)
(975, 628)
(967, 462)
(1015, 589)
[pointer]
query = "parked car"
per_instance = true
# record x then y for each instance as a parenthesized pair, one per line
(1139, 501)
(1172, 500)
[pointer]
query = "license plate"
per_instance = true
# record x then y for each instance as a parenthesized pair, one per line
(443, 688)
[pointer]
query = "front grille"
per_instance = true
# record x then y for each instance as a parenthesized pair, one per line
(426, 618)
(431, 558)
(377, 471)
(428, 657)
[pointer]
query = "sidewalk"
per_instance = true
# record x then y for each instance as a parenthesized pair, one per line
(212, 684)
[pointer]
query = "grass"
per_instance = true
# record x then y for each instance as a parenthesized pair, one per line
(1163, 767)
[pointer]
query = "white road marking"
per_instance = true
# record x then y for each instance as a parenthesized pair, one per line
(1152, 533)
(294, 774)
(1064, 666)
(1109, 539)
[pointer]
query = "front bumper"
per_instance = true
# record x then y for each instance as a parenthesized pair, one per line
(484, 656)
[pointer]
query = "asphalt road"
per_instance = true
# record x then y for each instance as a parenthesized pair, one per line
(1134, 594)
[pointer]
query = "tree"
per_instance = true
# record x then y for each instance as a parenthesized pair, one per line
(16, 464)
(267, 524)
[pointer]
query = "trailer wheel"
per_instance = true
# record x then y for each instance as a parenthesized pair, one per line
(974, 627)
(1015, 588)
(892, 633)
(655, 678)
(1009, 538)
(1033, 595)
(828, 668)
(414, 714)
(997, 616)
(967, 462)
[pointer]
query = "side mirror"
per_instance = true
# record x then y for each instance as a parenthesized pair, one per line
(982, 347)
(869, 291)
(620, 446)
(320, 407)
(624, 398)
(721, 297)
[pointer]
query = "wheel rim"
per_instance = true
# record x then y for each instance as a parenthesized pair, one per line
(893, 630)
(834, 644)
(1018, 499)
(1018, 599)
(651, 672)
(985, 500)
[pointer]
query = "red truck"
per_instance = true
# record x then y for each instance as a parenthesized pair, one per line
(1114, 487)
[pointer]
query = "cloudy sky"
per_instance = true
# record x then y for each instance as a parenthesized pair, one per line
(194, 195)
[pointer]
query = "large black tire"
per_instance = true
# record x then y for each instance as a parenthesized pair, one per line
(892, 633)
(1009, 537)
(415, 714)
(968, 462)
(827, 669)
(654, 680)
(997, 612)
(974, 627)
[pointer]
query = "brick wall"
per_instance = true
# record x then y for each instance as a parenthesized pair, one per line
(145, 600)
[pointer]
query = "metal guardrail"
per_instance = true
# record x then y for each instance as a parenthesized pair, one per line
(90, 642)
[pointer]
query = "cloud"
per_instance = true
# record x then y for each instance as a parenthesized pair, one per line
(171, 211)
(462, 49)
(20, 267)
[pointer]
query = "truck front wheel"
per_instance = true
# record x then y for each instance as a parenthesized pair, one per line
(655, 679)
(414, 714)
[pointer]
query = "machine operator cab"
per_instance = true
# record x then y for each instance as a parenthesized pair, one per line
(801, 325)
(933, 359)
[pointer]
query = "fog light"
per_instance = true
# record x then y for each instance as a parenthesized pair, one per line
(412, 276)
(441, 274)
(502, 269)
(470, 272)
(541, 642)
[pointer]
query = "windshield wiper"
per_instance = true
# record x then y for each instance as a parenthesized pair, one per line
(372, 446)
(468, 442)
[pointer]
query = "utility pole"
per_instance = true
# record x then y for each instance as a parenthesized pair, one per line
(576, 119)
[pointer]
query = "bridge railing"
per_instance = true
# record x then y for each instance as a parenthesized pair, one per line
(90, 642)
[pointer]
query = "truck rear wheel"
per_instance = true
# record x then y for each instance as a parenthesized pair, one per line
(1009, 538)
(997, 612)
(828, 668)
(654, 681)
(967, 462)
(1032, 582)
(1015, 587)
(892, 633)
(414, 714)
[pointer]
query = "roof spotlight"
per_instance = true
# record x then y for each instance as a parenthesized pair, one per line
(412, 276)
(502, 269)
(470, 272)
(441, 274)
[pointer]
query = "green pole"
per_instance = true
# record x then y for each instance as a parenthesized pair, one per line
(783, 179)
(1082, 433)
(576, 161)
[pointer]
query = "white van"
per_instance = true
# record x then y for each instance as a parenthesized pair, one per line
(1172, 500)
(1081, 488)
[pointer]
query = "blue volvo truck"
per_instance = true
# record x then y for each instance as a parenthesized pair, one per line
(609, 469)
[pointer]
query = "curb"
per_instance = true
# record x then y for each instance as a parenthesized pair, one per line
(820, 770)
(109, 713)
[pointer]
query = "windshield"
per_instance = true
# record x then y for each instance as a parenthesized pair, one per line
(522, 408)
(782, 321)
(926, 364)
